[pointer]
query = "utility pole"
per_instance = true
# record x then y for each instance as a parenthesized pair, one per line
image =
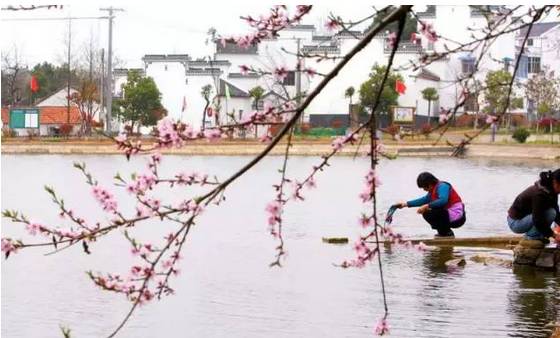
(109, 82)
(298, 77)
(102, 85)
(69, 71)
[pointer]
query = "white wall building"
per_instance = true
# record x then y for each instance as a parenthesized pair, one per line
(180, 78)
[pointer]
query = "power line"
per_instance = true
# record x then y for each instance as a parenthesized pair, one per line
(59, 19)
(30, 8)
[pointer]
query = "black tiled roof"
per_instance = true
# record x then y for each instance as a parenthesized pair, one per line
(233, 48)
(233, 90)
(538, 29)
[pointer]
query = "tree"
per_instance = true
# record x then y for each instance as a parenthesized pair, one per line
(52, 78)
(257, 94)
(141, 105)
(410, 25)
(496, 92)
(430, 94)
(87, 101)
(543, 90)
(157, 256)
(15, 79)
(205, 92)
(348, 94)
(369, 89)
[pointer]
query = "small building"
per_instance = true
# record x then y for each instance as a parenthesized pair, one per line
(43, 121)
(45, 118)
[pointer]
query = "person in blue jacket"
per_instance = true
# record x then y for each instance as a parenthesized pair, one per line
(441, 207)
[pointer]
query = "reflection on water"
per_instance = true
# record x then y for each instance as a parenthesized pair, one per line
(533, 308)
(226, 288)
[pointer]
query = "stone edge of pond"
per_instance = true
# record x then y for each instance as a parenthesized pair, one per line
(298, 149)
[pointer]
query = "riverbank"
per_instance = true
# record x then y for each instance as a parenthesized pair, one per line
(299, 148)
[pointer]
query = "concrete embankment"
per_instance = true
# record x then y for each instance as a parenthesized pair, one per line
(300, 148)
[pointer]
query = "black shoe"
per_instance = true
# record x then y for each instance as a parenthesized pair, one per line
(448, 234)
(546, 241)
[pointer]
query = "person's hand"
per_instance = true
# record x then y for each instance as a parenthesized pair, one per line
(423, 209)
(400, 205)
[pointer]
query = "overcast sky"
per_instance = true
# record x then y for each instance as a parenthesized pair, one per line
(161, 27)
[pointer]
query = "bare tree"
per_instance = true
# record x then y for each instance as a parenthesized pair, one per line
(15, 77)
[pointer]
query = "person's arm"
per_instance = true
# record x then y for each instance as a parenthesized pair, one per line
(539, 219)
(443, 196)
(419, 201)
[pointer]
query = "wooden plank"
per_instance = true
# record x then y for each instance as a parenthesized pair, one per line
(493, 241)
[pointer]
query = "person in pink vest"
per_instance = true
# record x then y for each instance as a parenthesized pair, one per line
(441, 207)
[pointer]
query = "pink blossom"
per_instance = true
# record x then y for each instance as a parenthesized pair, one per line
(361, 248)
(365, 195)
(382, 327)
(372, 178)
(311, 184)
(274, 208)
(392, 39)
(244, 69)
(332, 24)
(310, 71)
(167, 133)
(265, 138)
(338, 143)
(8, 245)
(212, 134)
(32, 228)
(365, 221)
(490, 119)
(280, 73)
(443, 118)
(421, 247)
(209, 111)
(142, 211)
(154, 204)
(121, 138)
(105, 198)
(302, 9)
(167, 264)
(156, 158)
(428, 31)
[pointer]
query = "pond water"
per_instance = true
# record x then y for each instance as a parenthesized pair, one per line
(226, 289)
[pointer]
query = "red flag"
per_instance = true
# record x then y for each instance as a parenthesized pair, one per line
(34, 84)
(400, 87)
(184, 105)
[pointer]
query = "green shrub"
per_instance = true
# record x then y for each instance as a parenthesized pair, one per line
(320, 132)
(521, 135)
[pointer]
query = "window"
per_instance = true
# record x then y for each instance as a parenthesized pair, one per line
(471, 103)
(290, 79)
(31, 120)
(529, 42)
(534, 65)
(24, 118)
(507, 64)
(467, 66)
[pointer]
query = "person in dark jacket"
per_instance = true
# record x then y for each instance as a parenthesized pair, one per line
(536, 208)
(441, 207)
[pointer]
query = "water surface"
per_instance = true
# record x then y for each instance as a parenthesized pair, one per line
(226, 288)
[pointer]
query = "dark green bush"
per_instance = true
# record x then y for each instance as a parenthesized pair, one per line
(521, 135)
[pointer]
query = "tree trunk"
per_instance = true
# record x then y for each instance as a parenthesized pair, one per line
(204, 116)
(429, 111)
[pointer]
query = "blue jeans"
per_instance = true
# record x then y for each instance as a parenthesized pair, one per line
(527, 227)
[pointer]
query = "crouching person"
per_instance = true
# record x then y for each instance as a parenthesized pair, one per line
(536, 208)
(441, 207)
